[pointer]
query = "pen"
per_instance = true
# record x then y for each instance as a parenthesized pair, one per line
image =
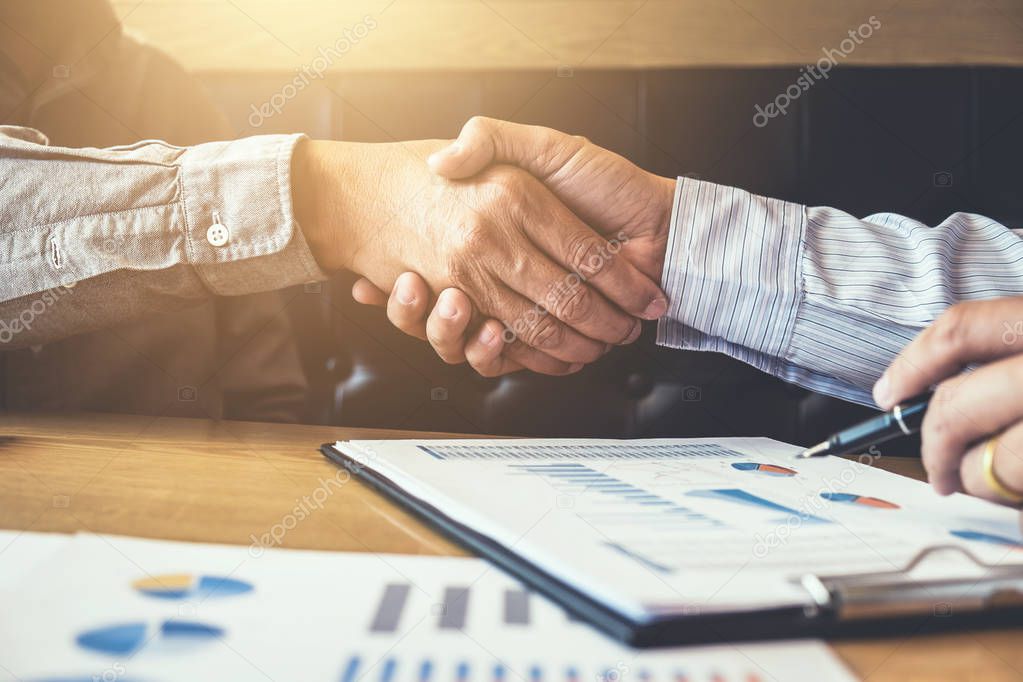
(902, 420)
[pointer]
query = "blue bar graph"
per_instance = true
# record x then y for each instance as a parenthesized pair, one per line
(351, 670)
(462, 672)
(581, 477)
(425, 668)
(588, 451)
(387, 672)
(740, 496)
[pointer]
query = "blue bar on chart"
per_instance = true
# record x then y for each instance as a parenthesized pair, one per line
(588, 451)
(425, 668)
(587, 480)
(351, 670)
(454, 608)
(387, 672)
(462, 672)
(516, 607)
(392, 603)
(740, 496)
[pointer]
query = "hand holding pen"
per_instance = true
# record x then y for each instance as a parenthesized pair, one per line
(972, 425)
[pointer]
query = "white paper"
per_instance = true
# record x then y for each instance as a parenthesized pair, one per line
(297, 615)
(22, 551)
(689, 525)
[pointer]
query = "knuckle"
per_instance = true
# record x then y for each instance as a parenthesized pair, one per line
(948, 330)
(587, 255)
(544, 334)
(580, 140)
(462, 261)
(573, 306)
(508, 182)
(478, 124)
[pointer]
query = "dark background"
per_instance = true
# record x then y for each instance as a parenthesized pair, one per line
(920, 142)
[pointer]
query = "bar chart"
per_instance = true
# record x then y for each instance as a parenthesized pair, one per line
(395, 669)
(451, 611)
(588, 451)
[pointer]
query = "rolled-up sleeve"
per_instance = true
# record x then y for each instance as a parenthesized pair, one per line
(814, 295)
(121, 223)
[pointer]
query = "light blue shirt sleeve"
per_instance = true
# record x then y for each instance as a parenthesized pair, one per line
(813, 295)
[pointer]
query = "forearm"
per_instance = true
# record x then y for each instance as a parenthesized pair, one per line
(85, 228)
(814, 295)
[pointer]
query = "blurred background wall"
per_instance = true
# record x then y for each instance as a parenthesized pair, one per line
(923, 118)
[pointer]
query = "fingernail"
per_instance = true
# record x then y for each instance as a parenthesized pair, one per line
(447, 309)
(656, 309)
(487, 336)
(406, 297)
(883, 391)
(572, 369)
(637, 329)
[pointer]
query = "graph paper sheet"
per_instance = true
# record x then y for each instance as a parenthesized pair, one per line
(113, 608)
(650, 528)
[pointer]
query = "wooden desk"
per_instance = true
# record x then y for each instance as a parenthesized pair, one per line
(198, 480)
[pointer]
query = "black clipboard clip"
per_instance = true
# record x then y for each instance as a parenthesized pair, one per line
(898, 593)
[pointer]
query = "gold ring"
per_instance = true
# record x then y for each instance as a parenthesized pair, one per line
(991, 477)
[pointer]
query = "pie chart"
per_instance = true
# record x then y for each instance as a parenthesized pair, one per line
(190, 586)
(864, 500)
(128, 638)
(764, 469)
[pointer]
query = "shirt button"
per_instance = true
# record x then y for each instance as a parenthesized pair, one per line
(218, 235)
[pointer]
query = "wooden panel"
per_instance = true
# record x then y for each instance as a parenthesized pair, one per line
(374, 35)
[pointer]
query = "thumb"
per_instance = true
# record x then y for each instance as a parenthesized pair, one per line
(483, 141)
(468, 155)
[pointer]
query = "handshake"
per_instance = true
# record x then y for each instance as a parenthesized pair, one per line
(536, 249)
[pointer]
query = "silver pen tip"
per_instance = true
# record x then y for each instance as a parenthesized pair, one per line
(815, 450)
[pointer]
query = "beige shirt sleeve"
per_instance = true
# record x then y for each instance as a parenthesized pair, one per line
(90, 236)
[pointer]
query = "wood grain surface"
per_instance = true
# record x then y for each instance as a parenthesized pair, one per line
(230, 482)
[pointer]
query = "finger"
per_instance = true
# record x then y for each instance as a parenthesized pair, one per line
(538, 361)
(408, 304)
(531, 324)
(485, 141)
(593, 260)
(965, 409)
(447, 325)
(1008, 465)
(490, 356)
(966, 333)
(570, 299)
(484, 351)
(365, 292)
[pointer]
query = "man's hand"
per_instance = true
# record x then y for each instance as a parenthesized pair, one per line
(501, 238)
(967, 408)
(618, 199)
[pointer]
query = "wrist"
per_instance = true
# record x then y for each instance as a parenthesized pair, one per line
(321, 184)
(662, 227)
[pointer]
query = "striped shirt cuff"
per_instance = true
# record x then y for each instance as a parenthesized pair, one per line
(732, 273)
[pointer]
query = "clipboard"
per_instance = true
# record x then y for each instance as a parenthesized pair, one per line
(852, 605)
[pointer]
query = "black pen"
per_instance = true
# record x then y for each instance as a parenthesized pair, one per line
(903, 420)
